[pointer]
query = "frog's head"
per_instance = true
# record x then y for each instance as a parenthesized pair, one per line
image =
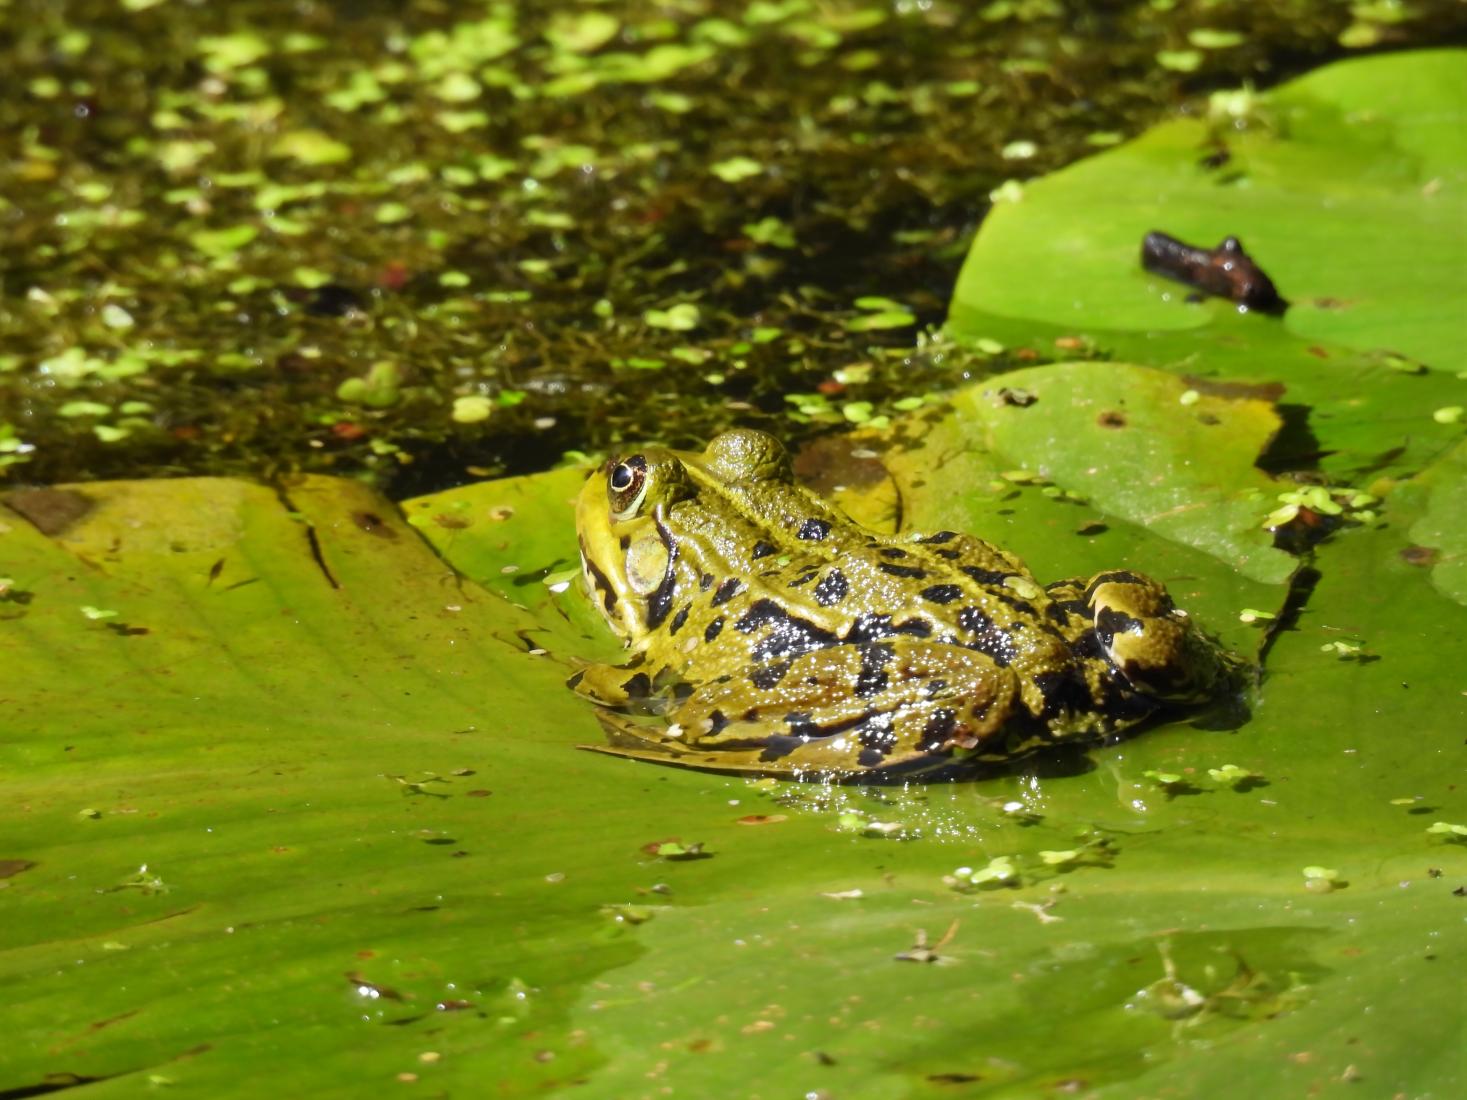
(625, 558)
(637, 506)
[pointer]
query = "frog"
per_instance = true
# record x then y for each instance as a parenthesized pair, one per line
(768, 633)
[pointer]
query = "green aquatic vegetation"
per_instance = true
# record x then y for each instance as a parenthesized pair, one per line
(281, 182)
(339, 746)
(998, 871)
(379, 388)
(1234, 776)
(1322, 880)
(683, 317)
(13, 449)
(1449, 830)
(880, 313)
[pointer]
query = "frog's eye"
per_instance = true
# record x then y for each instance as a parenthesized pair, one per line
(622, 477)
(626, 485)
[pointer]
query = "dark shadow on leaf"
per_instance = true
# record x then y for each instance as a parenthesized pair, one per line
(1301, 587)
(1294, 447)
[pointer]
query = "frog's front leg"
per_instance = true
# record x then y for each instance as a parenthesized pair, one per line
(1147, 639)
(613, 685)
(888, 704)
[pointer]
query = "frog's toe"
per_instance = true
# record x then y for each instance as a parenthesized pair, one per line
(657, 744)
(611, 685)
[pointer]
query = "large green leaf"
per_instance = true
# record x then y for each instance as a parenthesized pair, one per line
(289, 796)
(1440, 534)
(1136, 444)
(280, 718)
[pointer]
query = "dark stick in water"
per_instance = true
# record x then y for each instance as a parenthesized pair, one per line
(1226, 271)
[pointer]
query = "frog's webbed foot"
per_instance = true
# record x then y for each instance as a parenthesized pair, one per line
(1150, 641)
(648, 741)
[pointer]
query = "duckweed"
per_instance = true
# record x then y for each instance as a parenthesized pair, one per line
(512, 197)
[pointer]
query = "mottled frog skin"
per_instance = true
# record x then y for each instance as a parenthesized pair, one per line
(774, 635)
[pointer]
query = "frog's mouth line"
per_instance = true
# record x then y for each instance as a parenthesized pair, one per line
(599, 583)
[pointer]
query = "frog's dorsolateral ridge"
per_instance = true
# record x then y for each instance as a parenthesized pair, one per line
(774, 635)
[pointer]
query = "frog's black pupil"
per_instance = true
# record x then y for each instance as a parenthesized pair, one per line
(621, 477)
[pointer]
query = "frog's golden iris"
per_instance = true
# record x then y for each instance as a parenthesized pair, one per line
(777, 636)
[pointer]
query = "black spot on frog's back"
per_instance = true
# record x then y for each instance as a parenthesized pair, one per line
(831, 589)
(869, 628)
(873, 678)
(1087, 646)
(905, 572)
(990, 578)
(877, 740)
(784, 634)
(767, 676)
(1076, 608)
(941, 593)
(939, 729)
(1063, 691)
(726, 591)
(985, 636)
(1021, 606)
(638, 686)
(813, 530)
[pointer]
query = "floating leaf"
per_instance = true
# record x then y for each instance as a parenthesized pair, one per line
(682, 317)
(1284, 190)
(278, 721)
(735, 169)
(311, 147)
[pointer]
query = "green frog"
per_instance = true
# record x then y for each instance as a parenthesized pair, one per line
(771, 634)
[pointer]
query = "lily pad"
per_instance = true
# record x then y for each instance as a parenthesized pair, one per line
(289, 781)
(1345, 185)
(306, 774)
(1439, 536)
(1124, 443)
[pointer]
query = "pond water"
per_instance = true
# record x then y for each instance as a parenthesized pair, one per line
(424, 243)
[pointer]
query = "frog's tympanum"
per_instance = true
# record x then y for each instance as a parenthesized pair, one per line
(774, 635)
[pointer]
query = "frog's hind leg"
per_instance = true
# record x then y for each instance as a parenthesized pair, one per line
(884, 705)
(1150, 641)
(634, 740)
